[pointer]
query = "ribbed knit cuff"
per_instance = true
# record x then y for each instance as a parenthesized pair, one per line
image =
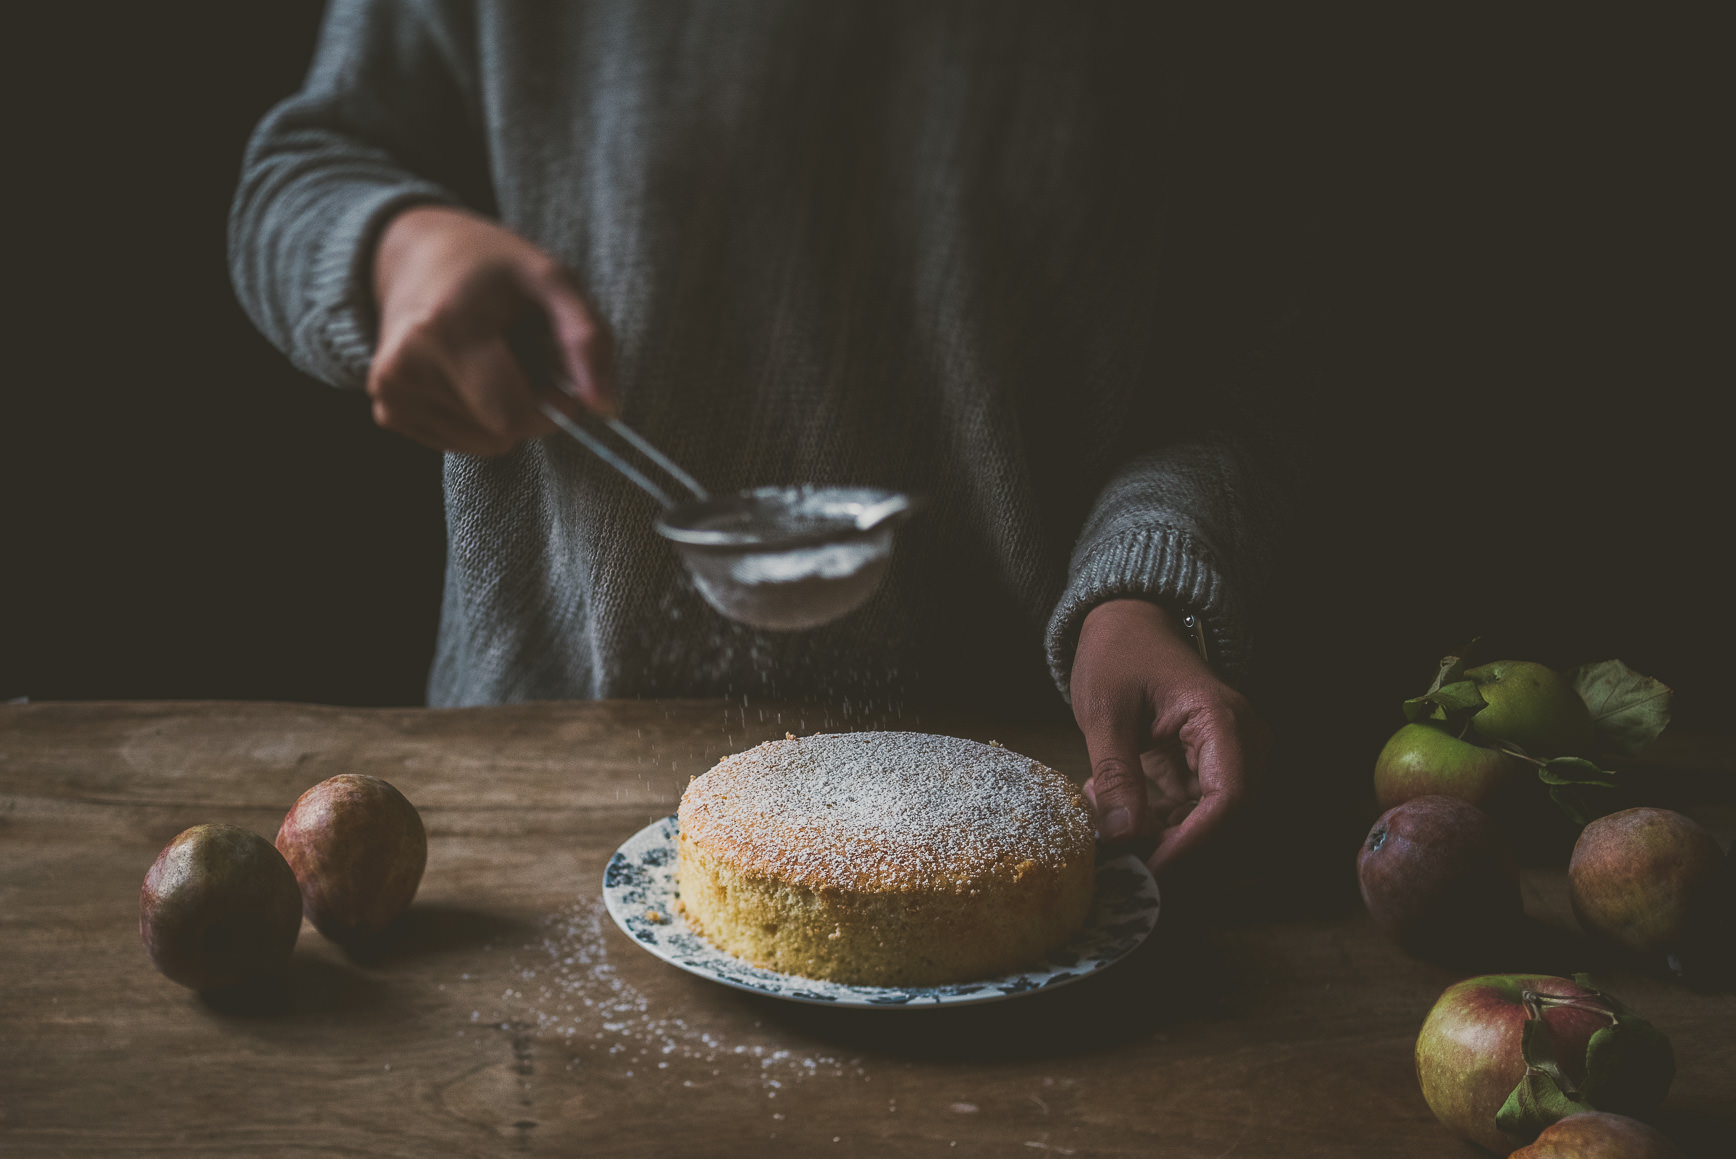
(1159, 564)
(339, 324)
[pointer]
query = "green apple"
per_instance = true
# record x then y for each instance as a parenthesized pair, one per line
(1424, 759)
(1532, 706)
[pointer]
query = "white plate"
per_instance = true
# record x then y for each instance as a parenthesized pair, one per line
(640, 882)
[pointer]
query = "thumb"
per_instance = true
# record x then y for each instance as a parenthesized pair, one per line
(1117, 777)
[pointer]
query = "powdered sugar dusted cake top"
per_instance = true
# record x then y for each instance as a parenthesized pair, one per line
(887, 812)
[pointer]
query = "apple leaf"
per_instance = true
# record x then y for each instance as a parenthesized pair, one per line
(1627, 709)
(1537, 1048)
(1629, 1062)
(1570, 799)
(1631, 1057)
(1451, 704)
(1572, 805)
(1534, 1104)
(1544, 1094)
(1566, 776)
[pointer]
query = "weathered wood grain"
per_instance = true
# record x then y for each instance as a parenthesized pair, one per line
(510, 1016)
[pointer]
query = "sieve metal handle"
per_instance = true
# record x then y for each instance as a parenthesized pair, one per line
(633, 439)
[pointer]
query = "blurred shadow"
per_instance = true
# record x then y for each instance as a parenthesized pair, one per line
(1544, 948)
(1701, 967)
(426, 930)
(308, 985)
(1504, 945)
(1174, 977)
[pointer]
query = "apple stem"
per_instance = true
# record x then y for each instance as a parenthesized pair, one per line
(1536, 1003)
(1524, 756)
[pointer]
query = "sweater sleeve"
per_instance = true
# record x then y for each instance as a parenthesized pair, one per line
(387, 118)
(1189, 526)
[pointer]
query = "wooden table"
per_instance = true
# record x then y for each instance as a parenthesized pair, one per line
(512, 1016)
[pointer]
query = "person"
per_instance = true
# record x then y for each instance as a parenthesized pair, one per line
(935, 247)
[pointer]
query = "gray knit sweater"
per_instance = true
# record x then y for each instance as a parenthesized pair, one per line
(914, 245)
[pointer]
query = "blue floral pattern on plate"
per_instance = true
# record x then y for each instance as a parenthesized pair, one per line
(639, 891)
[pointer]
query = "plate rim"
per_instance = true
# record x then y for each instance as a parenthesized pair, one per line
(856, 997)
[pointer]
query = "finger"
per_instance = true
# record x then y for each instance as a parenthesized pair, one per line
(491, 386)
(1167, 769)
(431, 435)
(586, 350)
(439, 430)
(414, 397)
(1220, 763)
(1117, 777)
(1160, 810)
(1195, 826)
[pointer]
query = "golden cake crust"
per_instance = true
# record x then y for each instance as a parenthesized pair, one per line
(885, 858)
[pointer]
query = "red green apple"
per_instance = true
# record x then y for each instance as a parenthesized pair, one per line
(1532, 706)
(1599, 1135)
(358, 849)
(1652, 880)
(1424, 758)
(1469, 1055)
(1436, 876)
(219, 907)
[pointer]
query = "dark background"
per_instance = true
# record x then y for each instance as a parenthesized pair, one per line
(191, 517)
(1508, 385)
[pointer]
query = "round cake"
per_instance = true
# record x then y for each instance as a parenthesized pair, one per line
(885, 858)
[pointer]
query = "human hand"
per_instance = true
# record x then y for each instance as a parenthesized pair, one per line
(1150, 707)
(452, 290)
